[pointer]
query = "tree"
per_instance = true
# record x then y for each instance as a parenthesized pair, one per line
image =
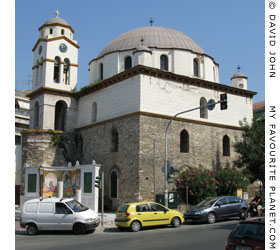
(251, 150)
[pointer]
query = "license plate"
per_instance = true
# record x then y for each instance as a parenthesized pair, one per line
(243, 248)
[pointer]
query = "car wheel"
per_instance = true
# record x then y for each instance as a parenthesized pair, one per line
(243, 214)
(79, 229)
(32, 229)
(211, 218)
(176, 222)
(135, 226)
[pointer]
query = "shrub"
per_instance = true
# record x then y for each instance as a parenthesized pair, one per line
(203, 183)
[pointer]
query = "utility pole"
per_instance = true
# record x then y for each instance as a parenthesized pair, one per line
(210, 105)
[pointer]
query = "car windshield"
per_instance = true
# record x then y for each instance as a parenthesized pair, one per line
(250, 231)
(123, 208)
(76, 206)
(207, 202)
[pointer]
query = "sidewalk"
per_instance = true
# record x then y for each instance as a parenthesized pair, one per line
(108, 222)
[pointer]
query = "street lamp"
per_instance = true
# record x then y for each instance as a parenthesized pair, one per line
(210, 105)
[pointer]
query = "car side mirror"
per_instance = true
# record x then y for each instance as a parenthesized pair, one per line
(166, 210)
(218, 204)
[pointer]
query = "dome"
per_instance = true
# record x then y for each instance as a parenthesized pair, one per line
(152, 36)
(56, 20)
(239, 75)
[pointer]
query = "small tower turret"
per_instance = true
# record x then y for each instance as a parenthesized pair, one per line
(239, 80)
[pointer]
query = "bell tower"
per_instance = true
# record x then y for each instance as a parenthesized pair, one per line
(55, 71)
(55, 59)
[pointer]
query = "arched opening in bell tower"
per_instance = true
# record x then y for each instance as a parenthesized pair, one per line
(60, 115)
(56, 69)
(66, 71)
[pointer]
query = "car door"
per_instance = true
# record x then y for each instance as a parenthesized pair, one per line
(221, 208)
(160, 214)
(144, 214)
(45, 216)
(234, 205)
(63, 217)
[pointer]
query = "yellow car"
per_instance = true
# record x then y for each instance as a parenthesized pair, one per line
(145, 214)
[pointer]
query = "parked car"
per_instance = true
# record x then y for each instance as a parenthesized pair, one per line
(57, 214)
(145, 214)
(247, 235)
(212, 209)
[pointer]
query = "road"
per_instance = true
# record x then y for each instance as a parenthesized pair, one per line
(190, 236)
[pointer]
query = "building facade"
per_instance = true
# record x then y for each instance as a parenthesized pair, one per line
(137, 83)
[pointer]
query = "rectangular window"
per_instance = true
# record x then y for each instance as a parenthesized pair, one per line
(18, 140)
(87, 182)
(46, 207)
(50, 31)
(32, 183)
(62, 32)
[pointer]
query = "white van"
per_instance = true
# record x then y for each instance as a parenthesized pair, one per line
(57, 214)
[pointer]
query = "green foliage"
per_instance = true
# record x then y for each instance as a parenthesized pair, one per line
(229, 180)
(203, 183)
(57, 139)
(251, 150)
(87, 88)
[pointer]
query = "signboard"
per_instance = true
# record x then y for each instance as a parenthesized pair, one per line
(70, 179)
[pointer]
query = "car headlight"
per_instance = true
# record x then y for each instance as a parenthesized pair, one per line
(90, 220)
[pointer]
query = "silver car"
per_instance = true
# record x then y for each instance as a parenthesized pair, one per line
(212, 209)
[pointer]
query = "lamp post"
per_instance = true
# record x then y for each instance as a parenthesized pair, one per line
(41, 172)
(210, 105)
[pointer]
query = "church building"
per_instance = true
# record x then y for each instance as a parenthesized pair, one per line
(137, 83)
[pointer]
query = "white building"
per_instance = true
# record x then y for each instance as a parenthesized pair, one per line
(147, 74)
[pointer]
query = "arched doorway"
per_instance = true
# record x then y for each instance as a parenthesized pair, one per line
(60, 115)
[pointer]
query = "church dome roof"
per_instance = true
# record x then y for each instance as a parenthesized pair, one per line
(152, 36)
(239, 75)
(56, 20)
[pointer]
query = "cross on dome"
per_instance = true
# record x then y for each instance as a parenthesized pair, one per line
(238, 68)
(57, 13)
(151, 21)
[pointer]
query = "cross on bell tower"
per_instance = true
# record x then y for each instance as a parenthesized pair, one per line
(57, 13)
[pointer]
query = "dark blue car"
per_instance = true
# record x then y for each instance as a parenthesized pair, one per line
(212, 209)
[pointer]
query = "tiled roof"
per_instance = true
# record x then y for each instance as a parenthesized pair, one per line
(259, 105)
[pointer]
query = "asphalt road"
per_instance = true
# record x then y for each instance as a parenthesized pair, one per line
(190, 236)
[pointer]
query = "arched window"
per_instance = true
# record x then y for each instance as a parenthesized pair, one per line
(214, 74)
(36, 115)
(60, 115)
(203, 111)
(226, 146)
(115, 140)
(37, 74)
(56, 69)
(127, 63)
(66, 71)
(195, 67)
(114, 185)
(101, 71)
(164, 62)
(94, 112)
(184, 141)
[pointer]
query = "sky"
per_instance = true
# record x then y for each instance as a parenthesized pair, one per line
(232, 31)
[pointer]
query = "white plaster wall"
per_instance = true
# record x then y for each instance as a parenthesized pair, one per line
(114, 101)
(179, 62)
(169, 98)
(50, 51)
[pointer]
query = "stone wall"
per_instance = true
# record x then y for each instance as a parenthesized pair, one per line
(205, 148)
(97, 145)
(134, 161)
